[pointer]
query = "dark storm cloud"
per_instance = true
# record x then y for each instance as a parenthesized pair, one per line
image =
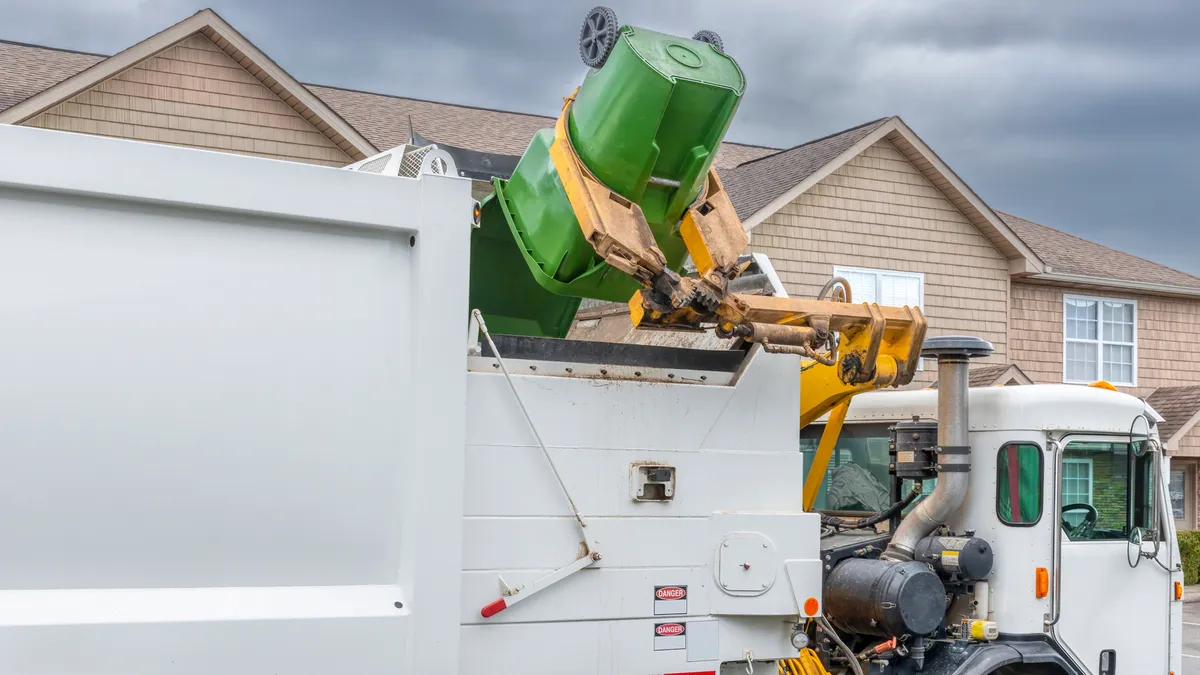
(1076, 114)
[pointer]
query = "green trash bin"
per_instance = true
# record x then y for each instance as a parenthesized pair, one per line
(647, 123)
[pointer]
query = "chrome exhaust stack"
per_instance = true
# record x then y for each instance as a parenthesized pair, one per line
(953, 354)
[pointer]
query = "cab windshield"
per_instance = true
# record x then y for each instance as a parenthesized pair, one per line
(857, 479)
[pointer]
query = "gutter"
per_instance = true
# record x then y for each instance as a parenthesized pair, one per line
(1157, 289)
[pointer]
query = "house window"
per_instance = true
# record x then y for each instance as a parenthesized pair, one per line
(890, 289)
(1099, 340)
(1076, 487)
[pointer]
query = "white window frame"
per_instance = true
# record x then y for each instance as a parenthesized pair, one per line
(1091, 496)
(1099, 341)
(841, 270)
(1091, 486)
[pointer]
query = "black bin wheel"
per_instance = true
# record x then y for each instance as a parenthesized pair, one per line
(710, 37)
(598, 36)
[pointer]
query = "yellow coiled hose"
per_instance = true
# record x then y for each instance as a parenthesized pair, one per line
(808, 663)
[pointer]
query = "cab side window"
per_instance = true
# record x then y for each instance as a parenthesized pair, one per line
(1019, 484)
(1106, 491)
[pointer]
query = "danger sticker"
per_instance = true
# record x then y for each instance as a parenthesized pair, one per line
(670, 636)
(670, 600)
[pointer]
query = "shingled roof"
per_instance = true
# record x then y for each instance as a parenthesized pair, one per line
(27, 70)
(756, 183)
(1177, 405)
(989, 375)
(1068, 254)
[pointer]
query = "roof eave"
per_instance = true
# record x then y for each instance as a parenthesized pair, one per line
(1122, 284)
(962, 196)
(1024, 260)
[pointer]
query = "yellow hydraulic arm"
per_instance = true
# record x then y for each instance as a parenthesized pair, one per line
(852, 347)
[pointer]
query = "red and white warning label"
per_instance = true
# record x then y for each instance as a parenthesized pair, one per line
(669, 636)
(670, 600)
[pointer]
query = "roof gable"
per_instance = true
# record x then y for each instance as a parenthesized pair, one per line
(1065, 254)
(994, 375)
(762, 187)
(1179, 407)
(236, 47)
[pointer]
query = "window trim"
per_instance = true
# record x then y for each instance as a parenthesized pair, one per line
(1091, 476)
(838, 271)
(1099, 341)
(1041, 484)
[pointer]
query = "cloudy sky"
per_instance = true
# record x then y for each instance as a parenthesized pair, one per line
(1079, 114)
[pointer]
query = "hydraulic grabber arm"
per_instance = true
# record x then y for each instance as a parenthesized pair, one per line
(622, 191)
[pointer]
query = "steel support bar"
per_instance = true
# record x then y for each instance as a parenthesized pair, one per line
(524, 592)
(816, 472)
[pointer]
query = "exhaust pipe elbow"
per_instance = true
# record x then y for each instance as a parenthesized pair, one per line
(953, 354)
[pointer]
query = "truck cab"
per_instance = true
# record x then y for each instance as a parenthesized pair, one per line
(1067, 486)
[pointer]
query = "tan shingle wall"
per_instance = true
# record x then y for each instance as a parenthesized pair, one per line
(877, 211)
(1164, 335)
(1189, 445)
(194, 95)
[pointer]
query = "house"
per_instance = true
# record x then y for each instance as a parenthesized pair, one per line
(872, 203)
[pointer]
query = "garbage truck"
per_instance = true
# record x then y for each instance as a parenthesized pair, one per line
(265, 417)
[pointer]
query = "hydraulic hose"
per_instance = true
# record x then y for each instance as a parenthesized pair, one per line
(883, 515)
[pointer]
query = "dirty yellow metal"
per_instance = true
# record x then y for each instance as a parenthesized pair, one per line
(712, 232)
(615, 226)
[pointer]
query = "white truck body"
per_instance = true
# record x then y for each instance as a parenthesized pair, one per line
(242, 434)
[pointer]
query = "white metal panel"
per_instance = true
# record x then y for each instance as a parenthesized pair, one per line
(184, 394)
(599, 481)
(615, 647)
(324, 646)
(210, 372)
(632, 415)
(1019, 551)
(735, 452)
(1049, 407)
(130, 171)
(548, 543)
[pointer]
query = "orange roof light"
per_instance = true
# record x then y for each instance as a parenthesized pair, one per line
(1041, 586)
(1101, 384)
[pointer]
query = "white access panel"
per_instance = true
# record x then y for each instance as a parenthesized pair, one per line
(734, 449)
(224, 382)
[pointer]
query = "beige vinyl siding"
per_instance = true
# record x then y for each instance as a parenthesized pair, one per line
(877, 211)
(1165, 327)
(194, 95)
(1189, 445)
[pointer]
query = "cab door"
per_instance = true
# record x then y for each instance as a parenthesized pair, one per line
(1114, 605)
